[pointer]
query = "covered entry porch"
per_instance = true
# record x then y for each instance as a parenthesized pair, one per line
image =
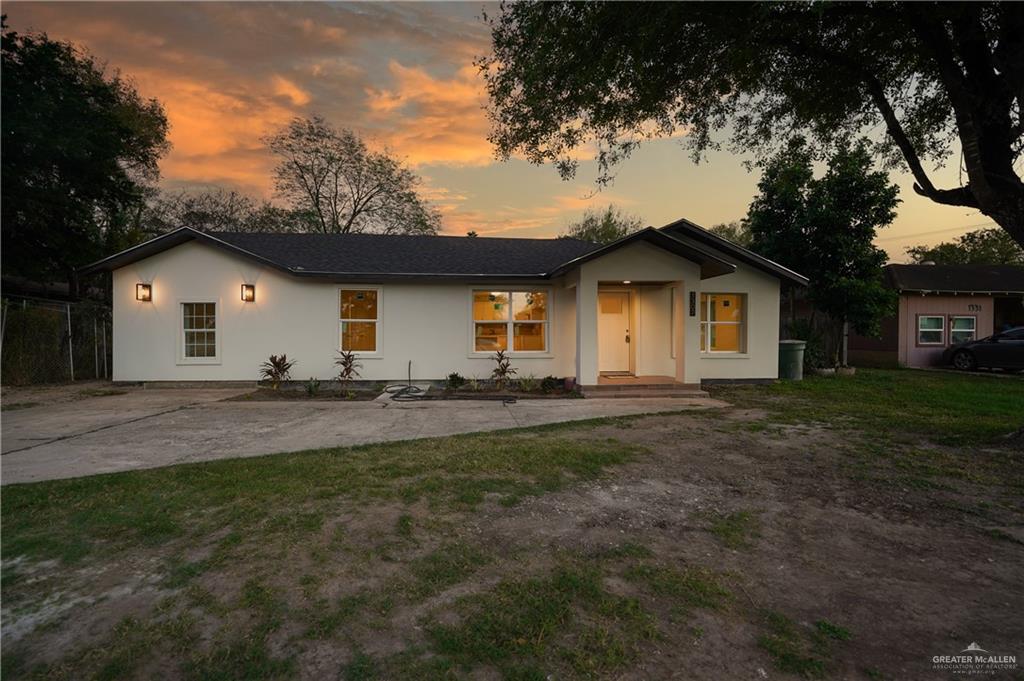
(637, 323)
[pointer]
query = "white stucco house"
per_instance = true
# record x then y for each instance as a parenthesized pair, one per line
(676, 302)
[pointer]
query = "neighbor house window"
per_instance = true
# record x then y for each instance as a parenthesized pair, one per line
(199, 325)
(510, 320)
(722, 322)
(961, 329)
(930, 330)
(360, 319)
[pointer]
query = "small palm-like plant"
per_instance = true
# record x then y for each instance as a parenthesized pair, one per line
(276, 369)
(348, 367)
(312, 387)
(503, 371)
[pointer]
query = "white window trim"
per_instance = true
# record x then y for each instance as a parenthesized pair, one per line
(379, 321)
(672, 322)
(539, 354)
(974, 327)
(707, 353)
(182, 360)
(941, 330)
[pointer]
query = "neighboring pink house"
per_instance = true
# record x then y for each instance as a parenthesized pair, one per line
(939, 306)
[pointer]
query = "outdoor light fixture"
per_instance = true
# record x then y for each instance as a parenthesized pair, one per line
(248, 293)
(144, 292)
(626, 281)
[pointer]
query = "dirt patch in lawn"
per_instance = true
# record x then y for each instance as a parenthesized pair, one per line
(24, 397)
(733, 547)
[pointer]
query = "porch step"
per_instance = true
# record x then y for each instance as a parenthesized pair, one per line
(618, 387)
(645, 391)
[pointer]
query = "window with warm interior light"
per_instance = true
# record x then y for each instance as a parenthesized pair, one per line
(517, 316)
(722, 322)
(930, 330)
(962, 329)
(199, 326)
(359, 320)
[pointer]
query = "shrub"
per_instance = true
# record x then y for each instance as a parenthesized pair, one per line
(815, 354)
(312, 387)
(529, 384)
(348, 367)
(454, 381)
(550, 384)
(276, 369)
(503, 371)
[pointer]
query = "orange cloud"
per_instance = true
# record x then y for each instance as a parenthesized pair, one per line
(432, 120)
(286, 88)
(548, 216)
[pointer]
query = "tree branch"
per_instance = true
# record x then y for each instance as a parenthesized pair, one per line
(923, 185)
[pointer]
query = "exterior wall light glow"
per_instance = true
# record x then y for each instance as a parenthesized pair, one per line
(144, 292)
(249, 293)
(626, 281)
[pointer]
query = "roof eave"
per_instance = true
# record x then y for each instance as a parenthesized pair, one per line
(711, 265)
(165, 242)
(753, 259)
(958, 292)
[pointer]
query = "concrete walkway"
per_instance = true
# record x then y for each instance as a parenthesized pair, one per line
(153, 428)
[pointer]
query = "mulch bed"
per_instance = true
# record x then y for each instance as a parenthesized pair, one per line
(492, 394)
(292, 395)
(271, 395)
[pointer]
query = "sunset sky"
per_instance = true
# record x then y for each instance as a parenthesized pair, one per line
(402, 76)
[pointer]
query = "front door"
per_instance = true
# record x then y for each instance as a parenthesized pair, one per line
(613, 331)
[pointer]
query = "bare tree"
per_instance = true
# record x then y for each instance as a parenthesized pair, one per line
(216, 210)
(330, 175)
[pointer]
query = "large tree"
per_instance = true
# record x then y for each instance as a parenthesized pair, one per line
(603, 227)
(980, 247)
(824, 228)
(562, 74)
(735, 231)
(330, 175)
(80, 145)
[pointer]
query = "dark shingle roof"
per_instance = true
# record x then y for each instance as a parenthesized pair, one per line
(956, 278)
(378, 257)
(409, 255)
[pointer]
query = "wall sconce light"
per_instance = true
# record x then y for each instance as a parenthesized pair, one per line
(144, 292)
(626, 281)
(248, 293)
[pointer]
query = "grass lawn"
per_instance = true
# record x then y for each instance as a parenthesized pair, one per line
(791, 533)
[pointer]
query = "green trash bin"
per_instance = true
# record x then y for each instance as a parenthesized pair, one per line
(791, 360)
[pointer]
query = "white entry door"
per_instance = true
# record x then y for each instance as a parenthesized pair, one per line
(613, 331)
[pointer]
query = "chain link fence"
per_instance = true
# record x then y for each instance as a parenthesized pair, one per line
(50, 341)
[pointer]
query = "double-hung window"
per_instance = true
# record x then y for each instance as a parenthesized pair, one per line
(962, 329)
(199, 331)
(722, 322)
(931, 330)
(510, 320)
(360, 320)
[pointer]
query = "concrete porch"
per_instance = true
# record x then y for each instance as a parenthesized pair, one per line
(642, 386)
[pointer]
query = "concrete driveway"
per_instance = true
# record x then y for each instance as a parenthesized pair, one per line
(163, 427)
